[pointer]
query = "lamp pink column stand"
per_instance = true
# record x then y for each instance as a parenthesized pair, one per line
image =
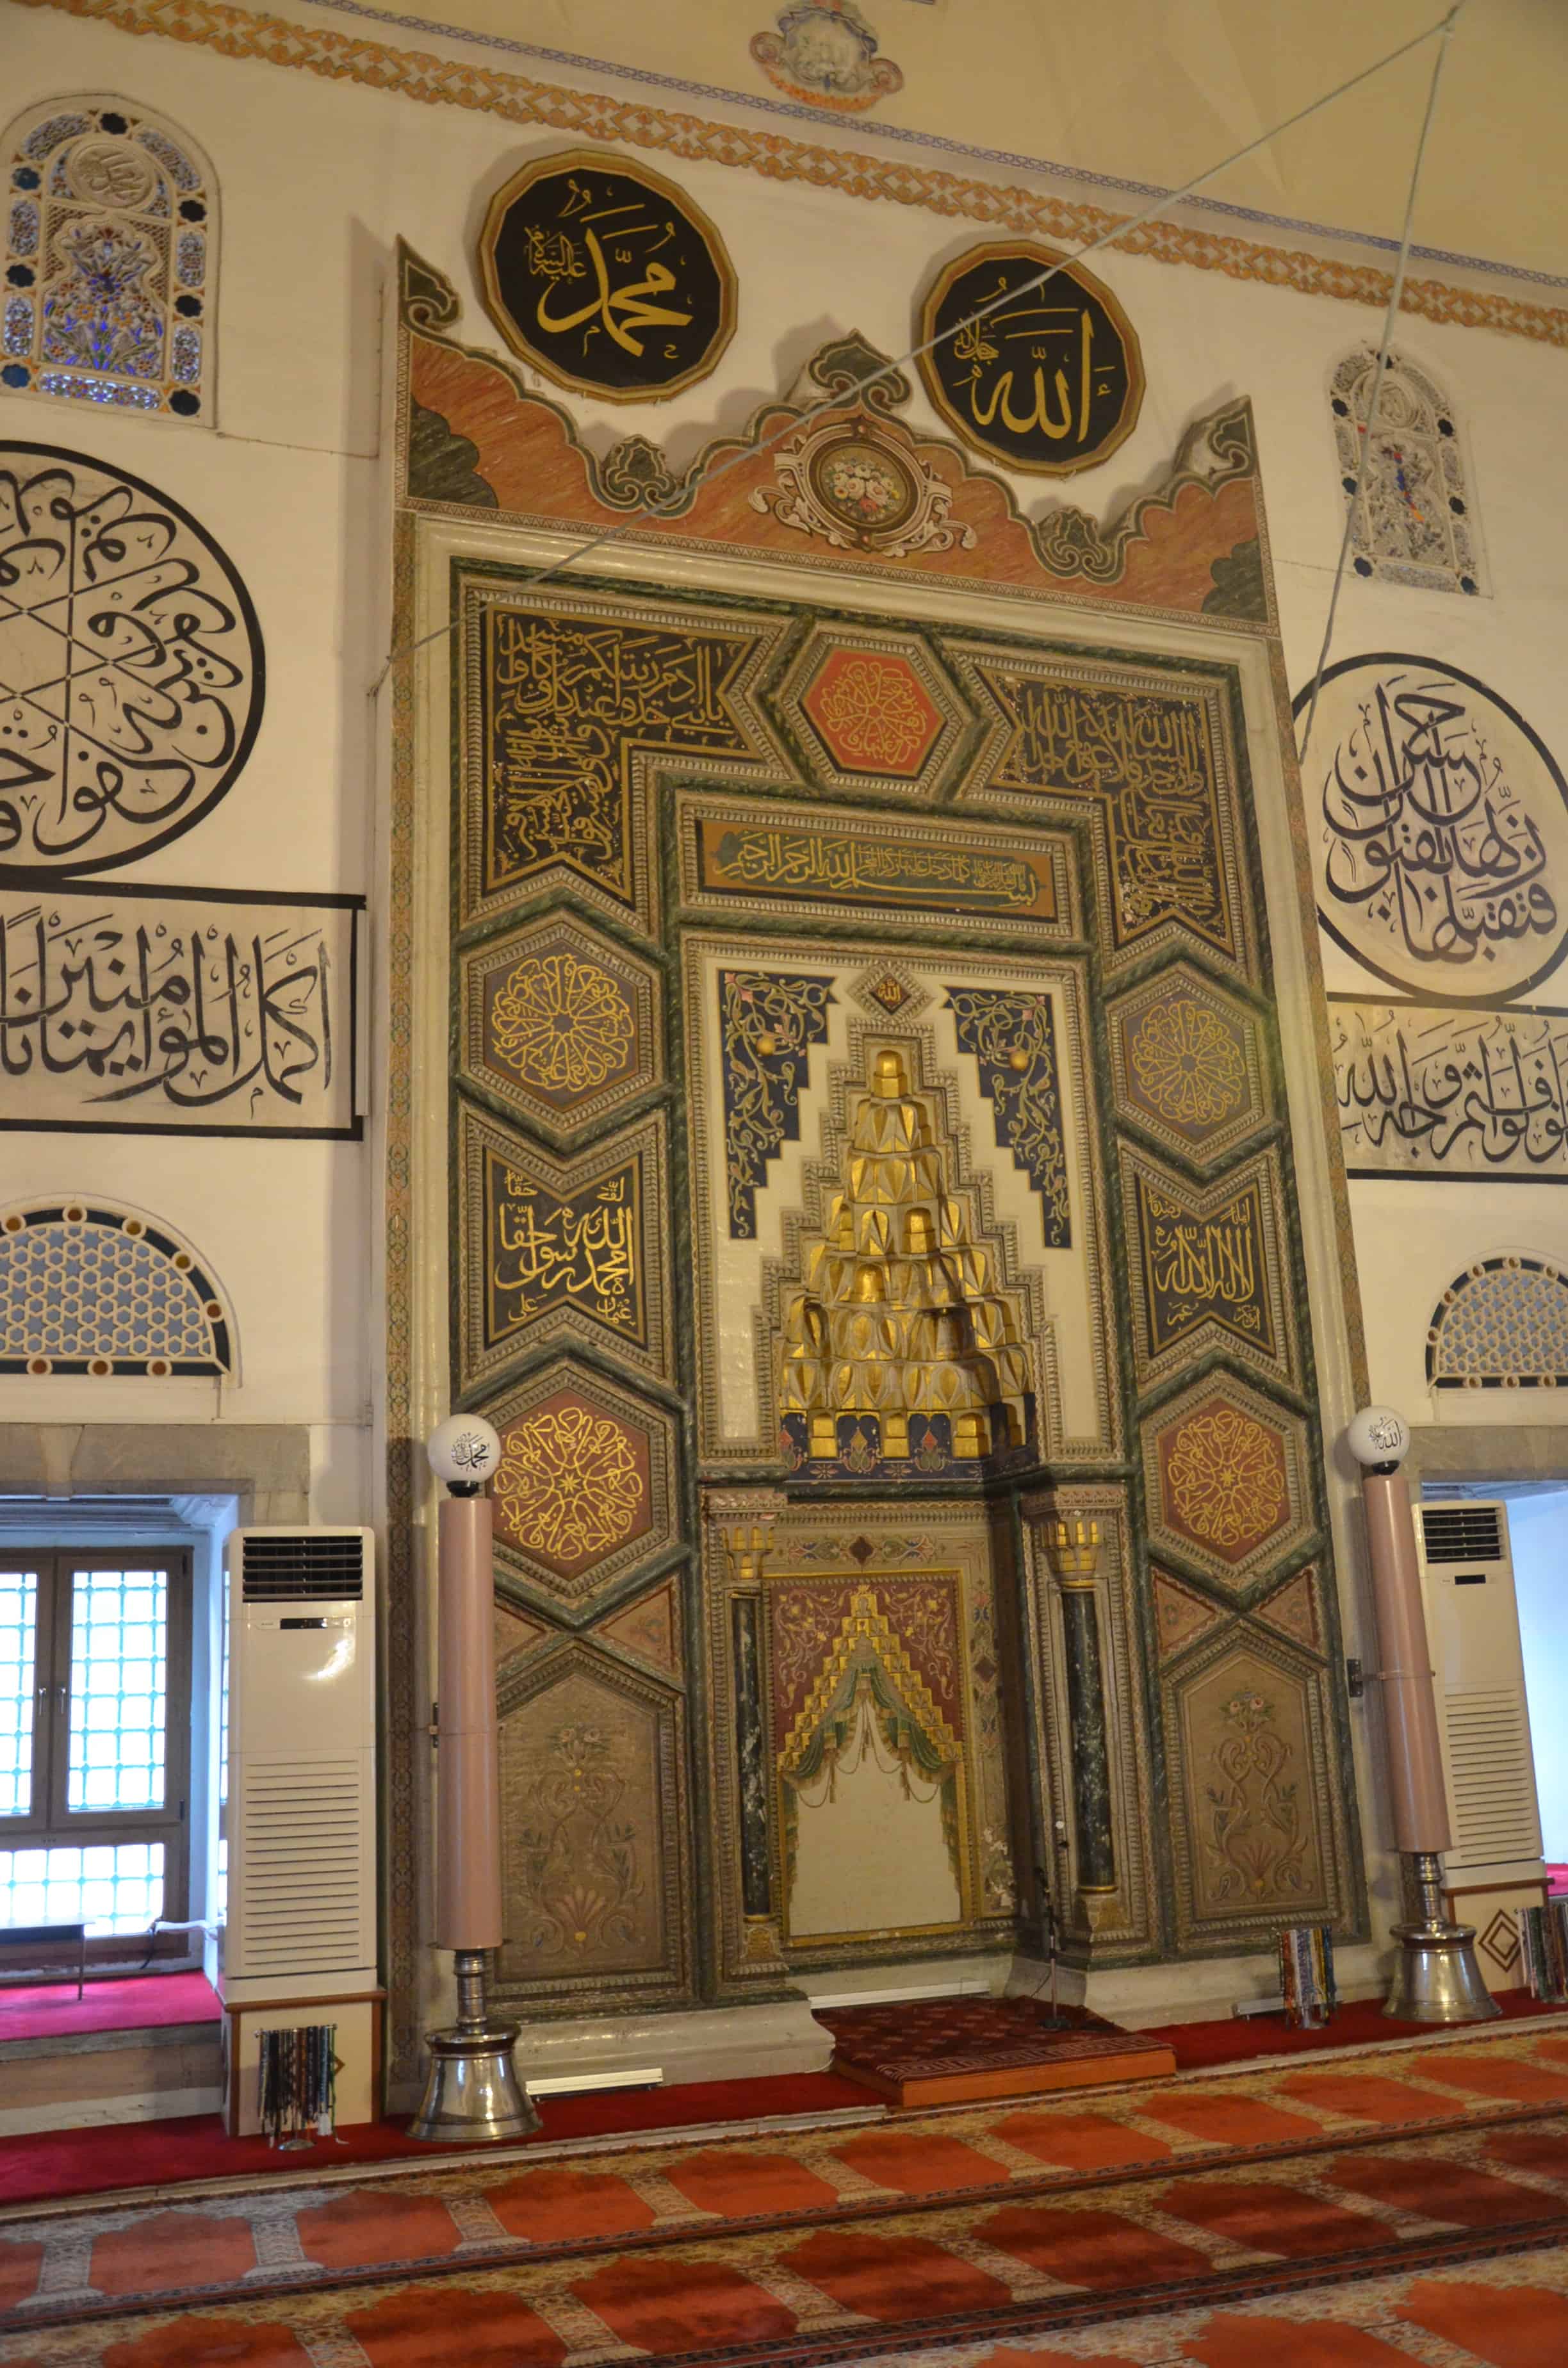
(473, 2095)
(1435, 1976)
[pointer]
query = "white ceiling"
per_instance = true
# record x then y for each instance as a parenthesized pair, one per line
(1146, 91)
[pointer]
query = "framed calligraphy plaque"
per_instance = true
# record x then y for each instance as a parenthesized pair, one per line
(552, 1247)
(179, 1011)
(132, 672)
(806, 859)
(603, 276)
(1050, 382)
(1438, 822)
(1431, 1091)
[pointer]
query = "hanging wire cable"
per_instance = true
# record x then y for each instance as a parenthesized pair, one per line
(1117, 231)
(1358, 502)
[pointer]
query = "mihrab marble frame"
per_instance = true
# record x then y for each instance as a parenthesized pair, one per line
(422, 758)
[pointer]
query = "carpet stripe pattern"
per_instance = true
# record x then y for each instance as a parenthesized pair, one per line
(1306, 2212)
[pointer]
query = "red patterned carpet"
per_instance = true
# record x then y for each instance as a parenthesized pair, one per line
(1347, 2211)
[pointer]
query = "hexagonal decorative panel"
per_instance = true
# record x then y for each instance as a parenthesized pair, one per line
(558, 1023)
(1188, 1064)
(585, 1489)
(1226, 1472)
(872, 710)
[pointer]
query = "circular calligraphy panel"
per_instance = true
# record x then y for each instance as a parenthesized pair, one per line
(604, 277)
(132, 672)
(1439, 829)
(1051, 380)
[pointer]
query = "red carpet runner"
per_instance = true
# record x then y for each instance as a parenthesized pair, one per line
(1356, 2211)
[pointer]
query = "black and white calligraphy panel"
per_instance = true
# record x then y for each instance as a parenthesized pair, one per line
(180, 1010)
(132, 672)
(1439, 823)
(1432, 1090)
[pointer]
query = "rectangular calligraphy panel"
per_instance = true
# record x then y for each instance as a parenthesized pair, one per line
(802, 858)
(180, 1010)
(1432, 1089)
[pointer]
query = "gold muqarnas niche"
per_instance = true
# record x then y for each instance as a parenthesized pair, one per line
(900, 1348)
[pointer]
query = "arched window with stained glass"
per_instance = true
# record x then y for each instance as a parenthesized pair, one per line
(1411, 516)
(111, 259)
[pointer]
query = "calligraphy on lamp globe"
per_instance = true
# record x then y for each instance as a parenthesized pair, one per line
(1051, 379)
(1440, 827)
(604, 276)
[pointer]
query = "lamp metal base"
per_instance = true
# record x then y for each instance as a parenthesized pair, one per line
(473, 2096)
(1435, 1977)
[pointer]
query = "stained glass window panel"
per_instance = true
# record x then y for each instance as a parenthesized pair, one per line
(110, 251)
(19, 1623)
(110, 1887)
(118, 1685)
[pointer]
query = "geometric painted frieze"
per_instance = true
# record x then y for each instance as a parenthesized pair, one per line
(1227, 1478)
(584, 1491)
(1205, 1267)
(873, 711)
(1187, 1063)
(548, 1246)
(131, 671)
(1502, 1325)
(1295, 1609)
(1144, 753)
(1181, 1616)
(650, 1628)
(767, 1022)
(559, 1023)
(1013, 1039)
(593, 1817)
(563, 700)
(1256, 1796)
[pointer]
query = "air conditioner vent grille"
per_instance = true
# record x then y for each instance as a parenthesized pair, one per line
(1462, 1533)
(287, 1566)
(1493, 1777)
(301, 1875)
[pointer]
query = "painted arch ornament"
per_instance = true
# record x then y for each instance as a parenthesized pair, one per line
(1438, 824)
(131, 668)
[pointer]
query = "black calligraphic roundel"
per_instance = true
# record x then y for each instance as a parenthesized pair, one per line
(1438, 824)
(132, 672)
(1046, 379)
(602, 275)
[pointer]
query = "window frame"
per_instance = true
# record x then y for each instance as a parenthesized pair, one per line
(49, 1823)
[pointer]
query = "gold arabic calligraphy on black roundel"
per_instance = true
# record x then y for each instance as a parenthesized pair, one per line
(604, 277)
(1049, 382)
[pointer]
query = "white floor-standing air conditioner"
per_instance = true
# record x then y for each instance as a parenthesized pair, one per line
(302, 1774)
(1473, 1623)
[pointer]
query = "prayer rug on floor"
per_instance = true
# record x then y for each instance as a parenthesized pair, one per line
(1300, 2214)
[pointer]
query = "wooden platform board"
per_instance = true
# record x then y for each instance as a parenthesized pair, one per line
(955, 2051)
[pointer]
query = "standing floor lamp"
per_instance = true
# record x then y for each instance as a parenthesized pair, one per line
(473, 2095)
(1435, 1977)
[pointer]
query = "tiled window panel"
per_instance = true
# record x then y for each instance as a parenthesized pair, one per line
(108, 1886)
(18, 1621)
(118, 1680)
